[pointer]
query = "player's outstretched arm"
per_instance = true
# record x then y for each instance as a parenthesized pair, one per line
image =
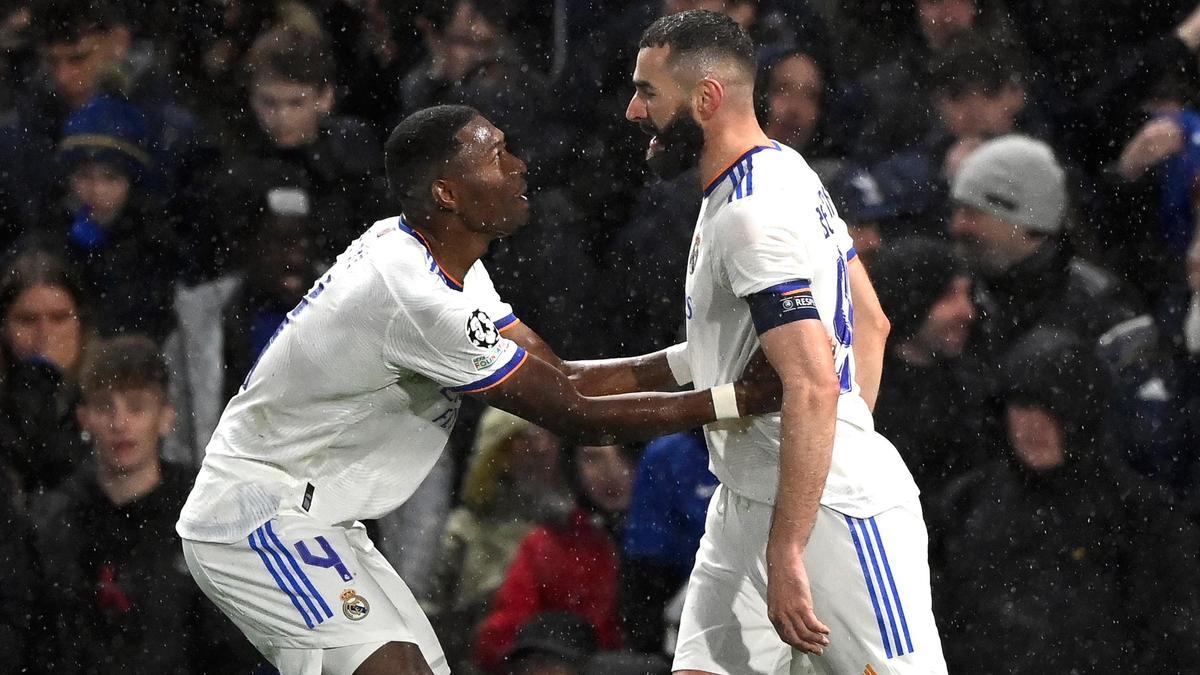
(871, 328)
(544, 395)
(799, 352)
(603, 377)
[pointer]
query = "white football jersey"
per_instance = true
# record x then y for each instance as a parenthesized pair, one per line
(768, 232)
(351, 403)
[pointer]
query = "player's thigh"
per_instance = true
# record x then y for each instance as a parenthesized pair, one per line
(870, 582)
(724, 627)
(296, 588)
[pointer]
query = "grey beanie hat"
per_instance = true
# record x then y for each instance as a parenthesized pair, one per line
(1015, 178)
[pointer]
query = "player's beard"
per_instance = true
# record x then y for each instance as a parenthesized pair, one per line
(679, 145)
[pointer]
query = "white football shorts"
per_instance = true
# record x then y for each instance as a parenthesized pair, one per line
(870, 584)
(313, 598)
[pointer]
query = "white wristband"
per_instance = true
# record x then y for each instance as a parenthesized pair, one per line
(677, 361)
(724, 402)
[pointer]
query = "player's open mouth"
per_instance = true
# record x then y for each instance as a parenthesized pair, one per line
(655, 145)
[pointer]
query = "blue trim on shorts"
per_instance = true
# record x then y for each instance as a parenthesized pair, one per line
(883, 590)
(862, 561)
(303, 577)
(278, 580)
(892, 582)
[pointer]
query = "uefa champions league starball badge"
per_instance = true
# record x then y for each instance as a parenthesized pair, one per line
(354, 606)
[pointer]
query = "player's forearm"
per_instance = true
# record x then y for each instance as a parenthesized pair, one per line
(809, 416)
(604, 377)
(633, 417)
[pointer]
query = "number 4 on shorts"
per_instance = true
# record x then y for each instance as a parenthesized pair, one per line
(330, 559)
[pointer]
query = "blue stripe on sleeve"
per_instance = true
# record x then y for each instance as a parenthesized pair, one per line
(278, 580)
(504, 322)
(851, 254)
(782, 303)
(518, 358)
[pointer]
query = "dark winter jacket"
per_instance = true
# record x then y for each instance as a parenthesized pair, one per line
(1053, 288)
(1083, 570)
(117, 581)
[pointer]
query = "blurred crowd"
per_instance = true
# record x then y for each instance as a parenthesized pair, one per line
(1022, 181)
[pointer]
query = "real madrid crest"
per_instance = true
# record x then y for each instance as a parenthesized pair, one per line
(354, 606)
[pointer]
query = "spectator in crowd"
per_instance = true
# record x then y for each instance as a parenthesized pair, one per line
(21, 613)
(896, 197)
(295, 130)
(569, 564)
(115, 574)
(513, 482)
(551, 643)
(803, 108)
(224, 324)
(89, 50)
(980, 92)
(110, 229)
(1057, 547)
(671, 492)
(46, 334)
(1010, 203)
(901, 97)
(932, 398)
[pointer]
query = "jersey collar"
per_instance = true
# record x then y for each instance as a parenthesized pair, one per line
(434, 265)
(731, 169)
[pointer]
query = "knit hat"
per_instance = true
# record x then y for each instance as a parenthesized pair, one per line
(911, 275)
(106, 129)
(1017, 179)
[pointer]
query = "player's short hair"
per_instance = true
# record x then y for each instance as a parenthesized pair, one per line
(122, 363)
(291, 55)
(419, 147)
(701, 33)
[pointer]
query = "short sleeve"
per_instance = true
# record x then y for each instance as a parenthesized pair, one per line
(480, 283)
(453, 340)
(761, 247)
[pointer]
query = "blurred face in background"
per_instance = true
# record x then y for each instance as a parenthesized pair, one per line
(794, 94)
(948, 324)
(76, 69)
(43, 321)
(975, 112)
(533, 455)
(942, 20)
(1036, 436)
(290, 113)
(281, 264)
(103, 188)
(606, 475)
(126, 425)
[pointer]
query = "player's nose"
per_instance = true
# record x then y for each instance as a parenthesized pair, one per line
(636, 110)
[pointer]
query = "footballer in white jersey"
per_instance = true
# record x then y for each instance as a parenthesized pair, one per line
(839, 583)
(352, 401)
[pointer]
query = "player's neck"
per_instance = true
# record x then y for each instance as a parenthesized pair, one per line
(122, 487)
(723, 146)
(454, 247)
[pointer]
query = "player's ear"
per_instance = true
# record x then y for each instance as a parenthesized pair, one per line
(442, 195)
(707, 98)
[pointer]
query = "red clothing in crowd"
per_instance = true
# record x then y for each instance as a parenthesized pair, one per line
(571, 567)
